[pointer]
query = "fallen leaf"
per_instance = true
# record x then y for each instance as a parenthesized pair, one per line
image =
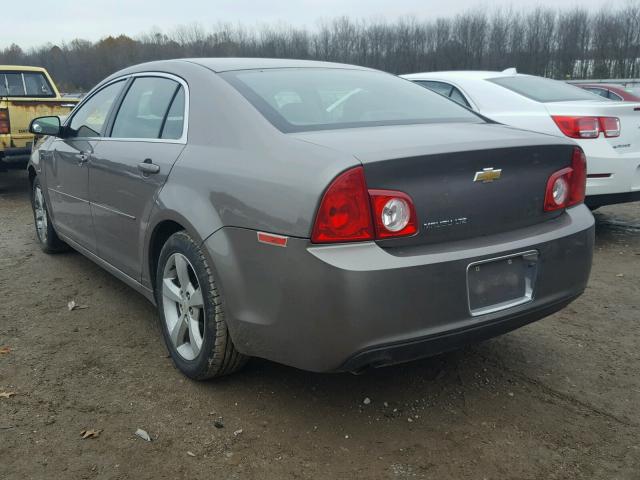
(191, 454)
(143, 435)
(620, 275)
(90, 433)
(237, 432)
(7, 394)
(72, 305)
(5, 350)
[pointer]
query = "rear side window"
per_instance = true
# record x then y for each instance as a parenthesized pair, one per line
(25, 84)
(438, 87)
(144, 108)
(305, 99)
(543, 90)
(598, 91)
(446, 90)
(457, 96)
(614, 96)
(174, 123)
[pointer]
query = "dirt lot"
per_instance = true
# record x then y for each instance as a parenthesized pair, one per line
(557, 399)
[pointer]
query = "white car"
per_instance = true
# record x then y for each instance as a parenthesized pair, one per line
(607, 131)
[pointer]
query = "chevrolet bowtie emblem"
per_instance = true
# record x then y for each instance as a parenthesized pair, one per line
(488, 175)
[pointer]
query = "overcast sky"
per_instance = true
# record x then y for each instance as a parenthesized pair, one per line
(42, 21)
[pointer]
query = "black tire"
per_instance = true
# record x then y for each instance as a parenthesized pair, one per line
(218, 355)
(47, 237)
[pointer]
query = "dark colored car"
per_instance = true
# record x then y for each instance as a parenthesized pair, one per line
(324, 216)
(612, 92)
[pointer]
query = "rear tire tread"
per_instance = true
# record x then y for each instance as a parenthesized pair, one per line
(223, 358)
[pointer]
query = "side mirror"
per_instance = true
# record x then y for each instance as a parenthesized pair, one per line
(45, 126)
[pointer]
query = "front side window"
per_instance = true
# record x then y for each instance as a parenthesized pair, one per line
(90, 119)
(145, 107)
(543, 90)
(305, 99)
(25, 84)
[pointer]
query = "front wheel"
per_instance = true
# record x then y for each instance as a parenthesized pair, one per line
(191, 313)
(47, 237)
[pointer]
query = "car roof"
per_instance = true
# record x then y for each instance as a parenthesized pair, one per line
(460, 74)
(601, 85)
(20, 68)
(226, 64)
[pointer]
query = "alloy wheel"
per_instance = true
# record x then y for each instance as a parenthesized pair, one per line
(40, 209)
(183, 306)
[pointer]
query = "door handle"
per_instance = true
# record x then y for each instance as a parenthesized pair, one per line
(148, 167)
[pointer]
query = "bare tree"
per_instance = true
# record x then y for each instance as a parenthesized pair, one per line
(562, 44)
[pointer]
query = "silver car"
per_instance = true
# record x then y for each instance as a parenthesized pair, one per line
(325, 216)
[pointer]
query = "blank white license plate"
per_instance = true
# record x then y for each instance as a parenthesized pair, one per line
(503, 282)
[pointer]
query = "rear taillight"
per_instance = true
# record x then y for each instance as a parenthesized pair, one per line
(610, 126)
(393, 213)
(566, 187)
(349, 212)
(344, 214)
(5, 126)
(587, 127)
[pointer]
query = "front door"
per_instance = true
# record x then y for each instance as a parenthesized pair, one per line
(67, 168)
(129, 167)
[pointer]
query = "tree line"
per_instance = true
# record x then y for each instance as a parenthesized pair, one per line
(559, 43)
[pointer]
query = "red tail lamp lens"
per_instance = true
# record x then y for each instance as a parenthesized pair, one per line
(344, 214)
(394, 214)
(566, 187)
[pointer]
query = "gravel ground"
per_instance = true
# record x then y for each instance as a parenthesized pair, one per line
(556, 399)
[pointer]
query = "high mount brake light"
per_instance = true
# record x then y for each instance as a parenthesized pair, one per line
(349, 212)
(587, 127)
(566, 187)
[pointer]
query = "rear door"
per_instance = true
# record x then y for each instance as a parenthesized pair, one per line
(147, 134)
(67, 166)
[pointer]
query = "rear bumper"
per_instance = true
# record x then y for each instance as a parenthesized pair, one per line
(594, 201)
(14, 158)
(15, 152)
(345, 307)
(623, 171)
(384, 355)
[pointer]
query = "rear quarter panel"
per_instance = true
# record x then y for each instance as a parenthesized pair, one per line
(237, 170)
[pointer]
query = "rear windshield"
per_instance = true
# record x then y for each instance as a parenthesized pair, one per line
(544, 90)
(24, 84)
(305, 99)
(635, 90)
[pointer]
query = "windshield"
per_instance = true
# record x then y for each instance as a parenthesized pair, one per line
(24, 84)
(544, 90)
(306, 99)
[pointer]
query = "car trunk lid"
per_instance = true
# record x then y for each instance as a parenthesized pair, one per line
(466, 180)
(627, 112)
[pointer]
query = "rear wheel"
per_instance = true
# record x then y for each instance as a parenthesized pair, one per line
(47, 237)
(191, 312)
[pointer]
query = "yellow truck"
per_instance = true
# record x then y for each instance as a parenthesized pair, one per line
(25, 93)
